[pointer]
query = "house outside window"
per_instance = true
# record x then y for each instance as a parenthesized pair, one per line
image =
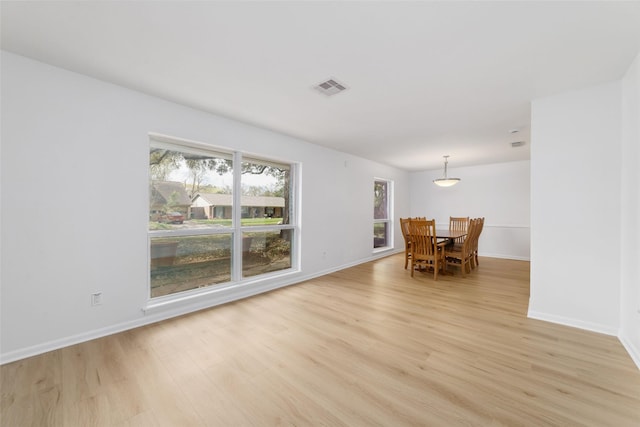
(382, 215)
(197, 239)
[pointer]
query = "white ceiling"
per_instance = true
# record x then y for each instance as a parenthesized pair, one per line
(425, 78)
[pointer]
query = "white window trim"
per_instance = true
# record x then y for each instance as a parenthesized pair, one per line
(238, 287)
(390, 204)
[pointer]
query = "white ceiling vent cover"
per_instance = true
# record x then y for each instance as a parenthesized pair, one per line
(330, 87)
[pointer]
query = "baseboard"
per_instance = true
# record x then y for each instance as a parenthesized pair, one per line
(574, 323)
(48, 346)
(633, 351)
(188, 305)
(503, 256)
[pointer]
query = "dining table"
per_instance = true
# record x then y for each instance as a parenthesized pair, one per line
(446, 233)
(448, 236)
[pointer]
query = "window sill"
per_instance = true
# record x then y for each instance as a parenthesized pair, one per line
(189, 301)
(382, 249)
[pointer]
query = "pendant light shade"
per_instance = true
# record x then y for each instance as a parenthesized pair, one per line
(446, 182)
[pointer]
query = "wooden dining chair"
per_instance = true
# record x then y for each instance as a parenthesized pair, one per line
(425, 250)
(461, 254)
(404, 227)
(458, 224)
(474, 259)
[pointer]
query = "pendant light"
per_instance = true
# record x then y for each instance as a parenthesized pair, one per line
(446, 182)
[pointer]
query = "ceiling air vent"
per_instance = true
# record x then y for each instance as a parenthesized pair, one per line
(516, 144)
(330, 87)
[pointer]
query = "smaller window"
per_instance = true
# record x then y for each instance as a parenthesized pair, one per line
(382, 213)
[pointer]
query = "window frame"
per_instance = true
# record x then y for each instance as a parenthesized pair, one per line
(390, 215)
(236, 229)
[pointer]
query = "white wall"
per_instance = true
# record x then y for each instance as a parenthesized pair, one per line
(74, 203)
(498, 192)
(630, 213)
(575, 212)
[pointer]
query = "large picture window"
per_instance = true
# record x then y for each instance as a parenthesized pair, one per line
(216, 217)
(382, 213)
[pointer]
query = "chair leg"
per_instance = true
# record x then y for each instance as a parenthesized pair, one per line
(412, 267)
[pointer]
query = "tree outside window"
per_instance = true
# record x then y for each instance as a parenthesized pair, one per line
(381, 213)
(197, 239)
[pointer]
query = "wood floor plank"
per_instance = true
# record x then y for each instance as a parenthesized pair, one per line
(364, 346)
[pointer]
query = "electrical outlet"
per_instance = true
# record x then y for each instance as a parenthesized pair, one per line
(96, 298)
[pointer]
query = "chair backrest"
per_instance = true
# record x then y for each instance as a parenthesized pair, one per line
(423, 238)
(459, 224)
(477, 236)
(472, 234)
(404, 226)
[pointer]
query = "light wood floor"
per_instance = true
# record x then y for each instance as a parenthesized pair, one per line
(365, 346)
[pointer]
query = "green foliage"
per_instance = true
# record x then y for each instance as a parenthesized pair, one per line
(173, 201)
(380, 199)
(263, 190)
(162, 163)
(153, 225)
(276, 247)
